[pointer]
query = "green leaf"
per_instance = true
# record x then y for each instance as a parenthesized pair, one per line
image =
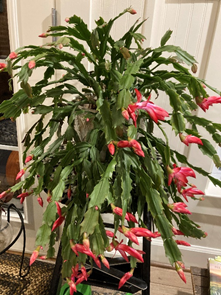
(177, 122)
(172, 251)
(207, 148)
(43, 235)
(123, 99)
(132, 132)
(101, 190)
(90, 221)
(50, 214)
(165, 37)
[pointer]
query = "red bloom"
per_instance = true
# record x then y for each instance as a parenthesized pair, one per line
(40, 201)
(4, 194)
(20, 173)
(125, 278)
(138, 94)
(105, 261)
(177, 232)
(190, 192)
(13, 55)
(155, 112)
(123, 144)
(125, 114)
(179, 242)
(137, 147)
(127, 232)
(34, 255)
(179, 175)
(119, 211)
(72, 286)
(156, 234)
(132, 217)
(131, 251)
(109, 233)
(2, 66)
(180, 271)
(43, 35)
(60, 219)
(142, 232)
(132, 11)
(190, 139)
(31, 64)
(207, 102)
(179, 207)
(111, 148)
(28, 159)
(22, 196)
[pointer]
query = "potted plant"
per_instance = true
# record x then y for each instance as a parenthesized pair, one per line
(120, 165)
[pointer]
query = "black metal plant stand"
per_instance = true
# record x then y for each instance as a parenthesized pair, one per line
(109, 278)
(22, 272)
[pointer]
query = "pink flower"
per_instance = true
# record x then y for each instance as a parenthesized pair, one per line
(111, 148)
(142, 232)
(177, 232)
(122, 248)
(13, 55)
(131, 11)
(109, 233)
(34, 255)
(105, 261)
(67, 19)
(20, 173)
(207, 102)
(155, 112)
(72, 286)
(60, 219)
(125, 114)
(40, 201)
(123, 144)
(4, 194)
(31, 64)
(190, 139)
(22, 196)
(43, 35)
(137, 148)
(132, 217)
(2, 66)
(190, 192)
(138, 94)
(156, 234)
(28, 159)
(129, 234)
(179, 208)
(125, 278)
(179, 175)
(119, 211)
(180, 271)
(179, 242)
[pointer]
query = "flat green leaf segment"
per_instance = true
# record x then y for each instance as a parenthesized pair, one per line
(92, 146)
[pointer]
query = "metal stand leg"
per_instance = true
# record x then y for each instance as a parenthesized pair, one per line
(145, 272)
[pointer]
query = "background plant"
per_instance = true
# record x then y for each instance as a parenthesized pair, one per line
(120, 166)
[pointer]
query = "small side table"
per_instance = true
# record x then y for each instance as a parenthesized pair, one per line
(200, 280)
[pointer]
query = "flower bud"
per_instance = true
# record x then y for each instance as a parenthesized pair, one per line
(194, 68)
(31, 64)
(13, 55)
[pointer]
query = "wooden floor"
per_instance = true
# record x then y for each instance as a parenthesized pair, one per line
(164, 281)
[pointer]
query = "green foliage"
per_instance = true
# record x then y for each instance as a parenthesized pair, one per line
(75, 142)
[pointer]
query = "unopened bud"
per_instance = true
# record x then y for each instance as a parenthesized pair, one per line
(194, 68)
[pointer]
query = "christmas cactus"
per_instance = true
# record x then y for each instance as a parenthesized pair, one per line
(120, 166)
